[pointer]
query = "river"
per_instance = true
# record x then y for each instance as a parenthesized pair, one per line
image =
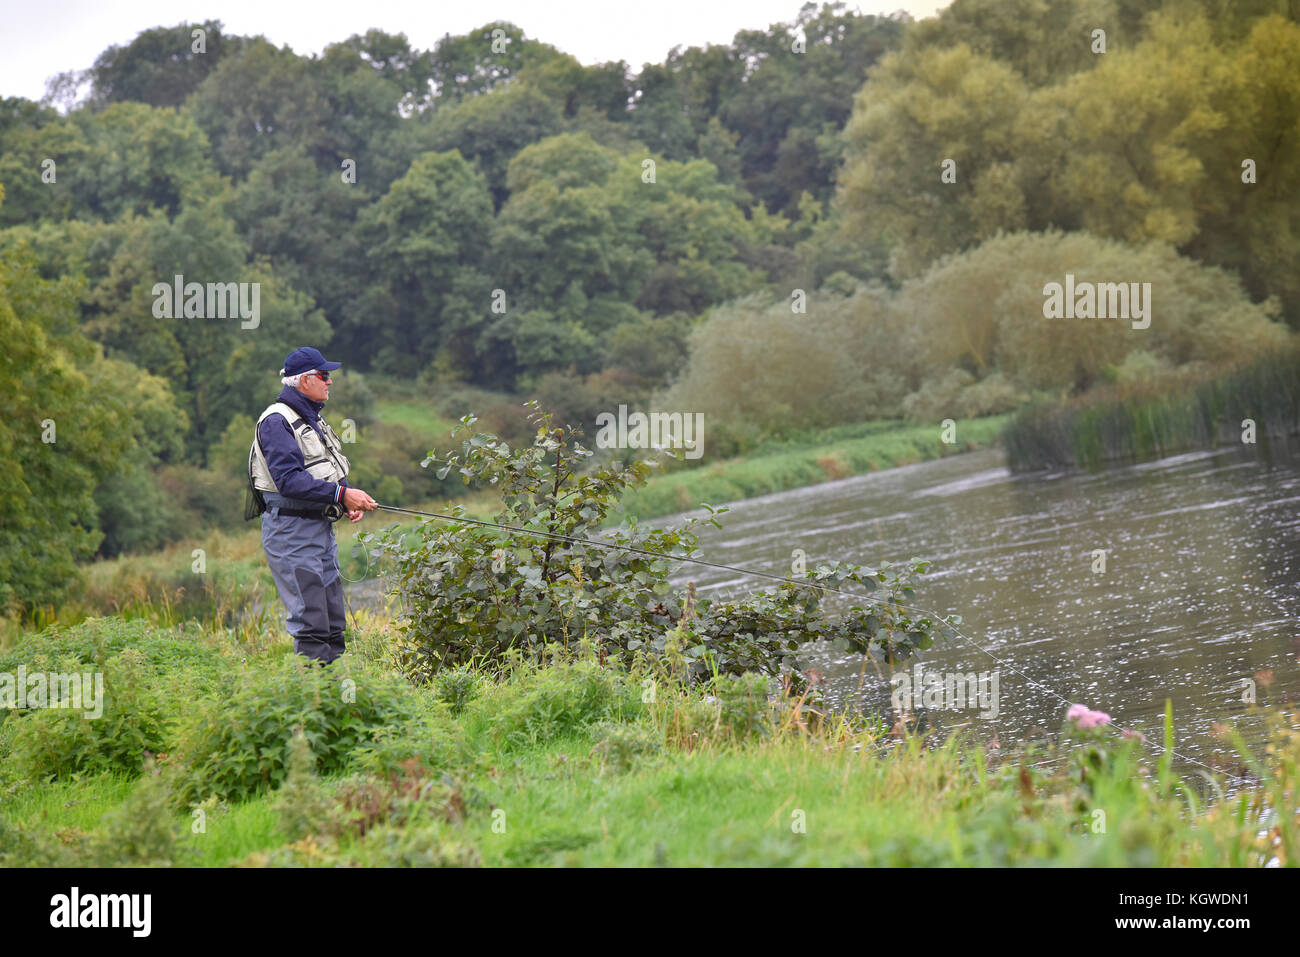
(1198, 602)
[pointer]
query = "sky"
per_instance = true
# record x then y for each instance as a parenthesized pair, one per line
(46, 37)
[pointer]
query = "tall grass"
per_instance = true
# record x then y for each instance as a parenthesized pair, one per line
(1143, 421)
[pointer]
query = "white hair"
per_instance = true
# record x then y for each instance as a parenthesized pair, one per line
(293, 380)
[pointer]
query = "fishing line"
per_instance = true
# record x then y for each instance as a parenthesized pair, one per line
(555, 536)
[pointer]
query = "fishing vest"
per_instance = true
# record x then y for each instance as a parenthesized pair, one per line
(324, 459)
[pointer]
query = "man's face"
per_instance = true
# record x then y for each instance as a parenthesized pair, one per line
(314, 386)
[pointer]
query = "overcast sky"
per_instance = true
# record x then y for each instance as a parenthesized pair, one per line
(43, 37)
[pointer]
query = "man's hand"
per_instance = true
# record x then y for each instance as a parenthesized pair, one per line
(355, 500)
(356, 516)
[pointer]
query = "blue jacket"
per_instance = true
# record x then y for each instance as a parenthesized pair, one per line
(284, 458)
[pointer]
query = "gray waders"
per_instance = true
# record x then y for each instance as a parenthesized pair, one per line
(303, 556)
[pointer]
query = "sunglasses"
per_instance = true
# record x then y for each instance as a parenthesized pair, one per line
(323, 376)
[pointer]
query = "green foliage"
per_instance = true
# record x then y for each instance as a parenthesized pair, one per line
(1014, 95)
(475, 594)
(236, 745)
(569, 748)
(429, 741)
(542, 704)
(587, 244)
(166, 652)
(43, 387)
(825, 368)
(143, 831)
(160, 66)
(300, 802)
(427, 262)
(487, 165)
(744, 705)
(49, 743)
(457, 687)
(967, 337)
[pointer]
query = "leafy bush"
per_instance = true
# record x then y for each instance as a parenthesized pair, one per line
(237, 747)
(756, 370)
(48, 743)
(957, 395)
(474, 593)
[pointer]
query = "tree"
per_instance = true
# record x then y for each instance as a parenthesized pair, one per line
(585, 244)
(257, 100)
(58, 438)
(425, 242)
(303, 222)
(31, 136)
(161, 67)
(138, 158)
(492, 128)
(482, 59)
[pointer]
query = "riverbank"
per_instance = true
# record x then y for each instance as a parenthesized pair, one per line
(570, 762)
(822, 457)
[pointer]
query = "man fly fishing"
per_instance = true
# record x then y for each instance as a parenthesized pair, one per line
(298, 483)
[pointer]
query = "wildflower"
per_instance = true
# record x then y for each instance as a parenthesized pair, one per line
(1085, 717)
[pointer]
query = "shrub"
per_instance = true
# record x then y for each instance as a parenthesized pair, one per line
(49, 743)
(238, 747)
(757, 371)
(472, 593)
(97, 639)
(430, 742)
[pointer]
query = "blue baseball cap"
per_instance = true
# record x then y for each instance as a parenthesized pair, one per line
(306, 359)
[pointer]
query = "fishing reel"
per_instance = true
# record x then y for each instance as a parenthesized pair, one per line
(334, 511)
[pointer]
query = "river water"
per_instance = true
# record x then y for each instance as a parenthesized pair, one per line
(1198, 602)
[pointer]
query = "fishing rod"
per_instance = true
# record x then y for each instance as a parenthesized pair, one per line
(616, 546)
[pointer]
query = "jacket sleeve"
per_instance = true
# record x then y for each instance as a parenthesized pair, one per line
(288, 470)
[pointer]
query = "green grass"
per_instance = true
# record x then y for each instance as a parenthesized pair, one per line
(822, 457)
(419, 418)
(564, 763)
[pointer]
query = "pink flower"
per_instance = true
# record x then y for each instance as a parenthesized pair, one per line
(1085, 717)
